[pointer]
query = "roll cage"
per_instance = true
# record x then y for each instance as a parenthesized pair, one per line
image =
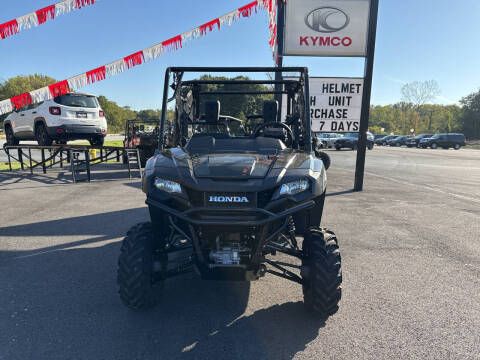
(188, 94)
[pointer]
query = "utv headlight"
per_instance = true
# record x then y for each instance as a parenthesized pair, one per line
(167, 185)
(294, 187)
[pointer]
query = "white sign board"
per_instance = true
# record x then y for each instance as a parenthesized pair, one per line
(335, 104)
(326, 27)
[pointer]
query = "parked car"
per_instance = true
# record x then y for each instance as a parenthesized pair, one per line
(350, 140)
(415, 141)
(378, 136)
(399, 141)
(68, 117)
(321, 143)
(383, 140)
(445, 141)
(328, 139)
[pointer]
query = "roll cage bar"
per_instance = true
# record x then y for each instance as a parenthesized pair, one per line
(288, 86)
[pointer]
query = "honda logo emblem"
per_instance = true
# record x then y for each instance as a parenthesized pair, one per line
(327, 20)
(228, 199)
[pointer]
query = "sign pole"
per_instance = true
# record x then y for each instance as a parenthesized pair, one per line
(280, 33)
(367, 92)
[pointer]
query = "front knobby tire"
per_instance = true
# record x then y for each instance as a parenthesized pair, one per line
(321, 272)
(325, 158)
(135, 268)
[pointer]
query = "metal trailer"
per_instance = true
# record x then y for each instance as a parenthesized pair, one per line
(76, 157)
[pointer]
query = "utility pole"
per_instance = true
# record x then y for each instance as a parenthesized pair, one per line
(367, 93)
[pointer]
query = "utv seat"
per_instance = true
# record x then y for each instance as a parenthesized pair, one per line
(270, 111)
(212, 111)
(200, 144)
(270, 115)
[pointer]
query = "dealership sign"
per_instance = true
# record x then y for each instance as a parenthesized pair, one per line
(326, 27)
(335, 104)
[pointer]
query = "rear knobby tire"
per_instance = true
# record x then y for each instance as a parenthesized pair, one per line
(135, 268)
(321, 272)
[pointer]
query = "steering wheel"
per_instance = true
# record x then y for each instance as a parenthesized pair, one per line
(290, 137)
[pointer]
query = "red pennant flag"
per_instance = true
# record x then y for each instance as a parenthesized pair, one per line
(134, 59)
(59, 88)
(247, 10)
(21, 100)
(47, 13)
(209, 26)
(81, 3)
(97, 74)
(175, 42)
(270, 5)
(8, 29)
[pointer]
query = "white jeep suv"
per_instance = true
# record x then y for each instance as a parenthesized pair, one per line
(72, 116)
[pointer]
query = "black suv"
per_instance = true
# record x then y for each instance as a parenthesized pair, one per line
(350, 140)
(445, 141)
(415, 141)
(384, 140)
(398, 141)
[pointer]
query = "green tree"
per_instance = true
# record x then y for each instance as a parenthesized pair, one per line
(471, 115)
(115, 114)
(150, 114)
(21, 84)
(417, 94)
(236, 105)
(429, 118)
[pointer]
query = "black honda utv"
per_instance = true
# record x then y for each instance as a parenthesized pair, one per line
(225, 204)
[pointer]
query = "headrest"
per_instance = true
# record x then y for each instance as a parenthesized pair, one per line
(212, 111)
(270, 111)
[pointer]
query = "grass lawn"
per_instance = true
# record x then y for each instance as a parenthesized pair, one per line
(114, 143)
(4, 166)
(118, 143)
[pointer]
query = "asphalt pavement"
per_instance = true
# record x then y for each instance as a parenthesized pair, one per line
(411, 267)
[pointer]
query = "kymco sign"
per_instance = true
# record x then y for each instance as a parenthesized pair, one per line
(326, 27)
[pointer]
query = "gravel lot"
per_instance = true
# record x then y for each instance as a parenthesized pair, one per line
(411, 264)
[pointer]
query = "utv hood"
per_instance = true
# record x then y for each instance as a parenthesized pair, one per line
(232, 165)
(176, 163)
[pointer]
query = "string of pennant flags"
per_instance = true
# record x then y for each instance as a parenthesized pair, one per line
(41, 16)
(137, 58)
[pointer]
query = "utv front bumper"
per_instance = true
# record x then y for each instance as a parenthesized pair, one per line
(267, 225)
(231, 216)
